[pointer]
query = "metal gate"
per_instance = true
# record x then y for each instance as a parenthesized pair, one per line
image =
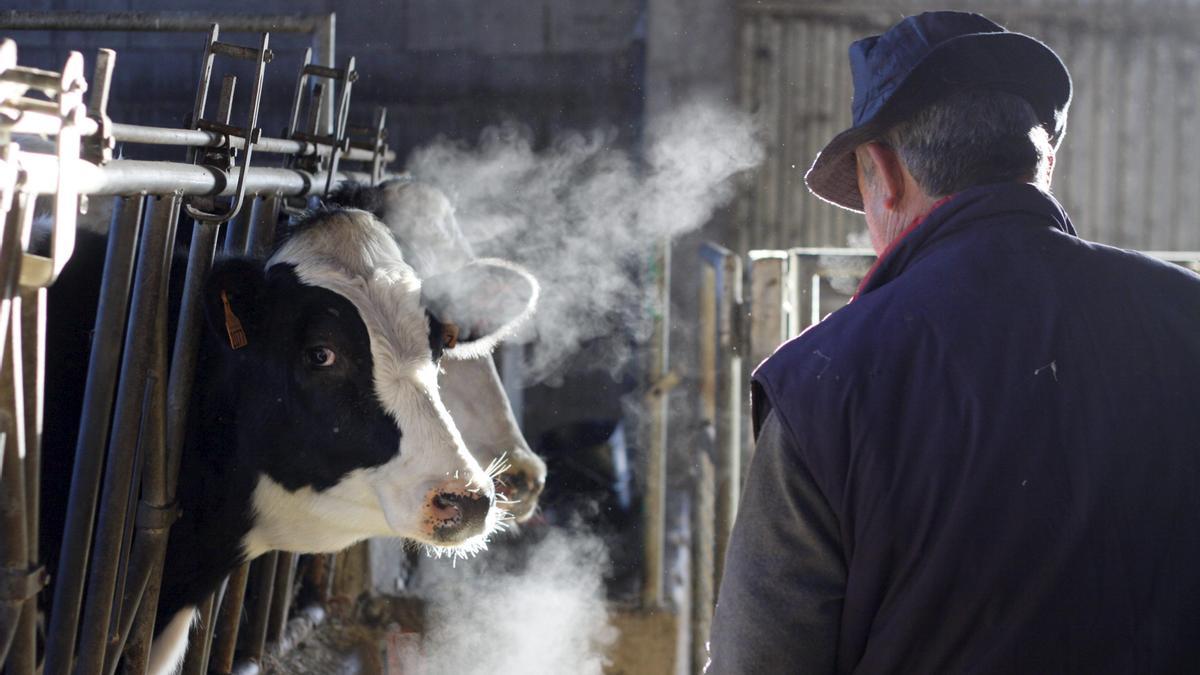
(127, 457)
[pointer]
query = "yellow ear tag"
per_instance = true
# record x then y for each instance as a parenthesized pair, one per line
(449, 335)
(233, 326)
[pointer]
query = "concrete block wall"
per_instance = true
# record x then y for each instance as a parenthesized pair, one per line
(442, 67)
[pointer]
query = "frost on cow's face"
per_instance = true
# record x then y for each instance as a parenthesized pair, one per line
(337, 396)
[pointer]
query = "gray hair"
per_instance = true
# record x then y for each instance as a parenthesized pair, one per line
(973, 137)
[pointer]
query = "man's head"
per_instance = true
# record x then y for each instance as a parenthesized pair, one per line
(968, 137)
(942, 101)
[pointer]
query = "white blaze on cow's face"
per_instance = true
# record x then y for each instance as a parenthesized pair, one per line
(475, 397)
(428, 487)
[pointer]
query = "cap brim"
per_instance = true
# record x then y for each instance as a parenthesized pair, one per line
(996, 60)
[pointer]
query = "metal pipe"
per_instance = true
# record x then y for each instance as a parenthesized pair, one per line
(14, 561)
(654, 507)
(195, 662)
(14, 554)
(155, 512)
(137, 363)
(146, 135)
(133, 176)
(237, 231)
(108, 336)
(133, 564)
(724, 281)
(255, 641)
(703, 517)
(23, 658)
(323, 36)
(187, 341)
(229, 621)
(262, 227)
(281, 597)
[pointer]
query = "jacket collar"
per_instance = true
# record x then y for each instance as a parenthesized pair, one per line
(957, 212)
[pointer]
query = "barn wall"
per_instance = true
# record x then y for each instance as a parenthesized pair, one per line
(1129, 162)
(442, 67)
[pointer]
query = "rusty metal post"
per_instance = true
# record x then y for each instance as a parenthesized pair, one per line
(281, 597)
(263, 573)
(195, 662)
(727, 391)
(138, 363)
(18, 639)
(703, 592)
(768, 302)
(107, 339)
(228, 622)
(32, 331)
(158, 508)
(262, 226)
(657, 399)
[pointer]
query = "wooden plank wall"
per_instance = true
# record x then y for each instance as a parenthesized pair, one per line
(1128, 171)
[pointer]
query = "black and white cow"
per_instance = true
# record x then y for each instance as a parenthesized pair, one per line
(421, 218)
(316, 418)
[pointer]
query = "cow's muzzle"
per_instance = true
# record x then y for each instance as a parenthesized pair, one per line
(459, 515)
(519, 491)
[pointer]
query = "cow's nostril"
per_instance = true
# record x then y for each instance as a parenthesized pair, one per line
(461, 511)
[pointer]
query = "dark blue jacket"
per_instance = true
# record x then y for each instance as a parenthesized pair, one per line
(989, 462)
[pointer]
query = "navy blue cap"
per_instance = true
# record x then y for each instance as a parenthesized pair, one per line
(923, 58)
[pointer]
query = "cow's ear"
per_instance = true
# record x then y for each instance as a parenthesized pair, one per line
(234, 299)
(483, 301)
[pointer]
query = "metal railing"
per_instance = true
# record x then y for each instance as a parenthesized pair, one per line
(122, 500)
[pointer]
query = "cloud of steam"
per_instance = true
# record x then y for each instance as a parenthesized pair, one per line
(587, 217)
(542, 615)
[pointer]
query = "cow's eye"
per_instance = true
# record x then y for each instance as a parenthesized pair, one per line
(321, 356)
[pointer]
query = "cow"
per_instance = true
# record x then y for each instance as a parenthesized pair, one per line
(421, 217)
(316, 418)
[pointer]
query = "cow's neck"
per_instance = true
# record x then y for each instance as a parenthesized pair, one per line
(214, 495)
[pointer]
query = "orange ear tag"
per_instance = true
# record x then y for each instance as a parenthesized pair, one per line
(449, 335)
(233, 326)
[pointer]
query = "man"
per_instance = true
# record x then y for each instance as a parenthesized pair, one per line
(989, 461)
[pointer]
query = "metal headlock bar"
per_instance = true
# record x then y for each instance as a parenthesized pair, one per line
(122, 499)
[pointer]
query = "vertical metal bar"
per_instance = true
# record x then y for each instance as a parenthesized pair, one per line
(263, 573)
(703, 516)
(768, 326)
(206, 67)
(229, 621)
(10, 256)
(135, 561)
(161, 466)
(101, 82)
(200, 645)
(23, 658)
(729, 407)
(323, 37)
(107, 339)
(237, 231)
(262, 231)
(187, 343)
(281, 597)
(13, 526)
(654, 505)
(152, 522)
(138, 360)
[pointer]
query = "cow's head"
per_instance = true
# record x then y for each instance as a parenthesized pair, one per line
(471, 387)
(422, 218)
(335, 356)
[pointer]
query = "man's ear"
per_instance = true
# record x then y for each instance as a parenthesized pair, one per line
(889, 173)
(234, 299)
(484, 300)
